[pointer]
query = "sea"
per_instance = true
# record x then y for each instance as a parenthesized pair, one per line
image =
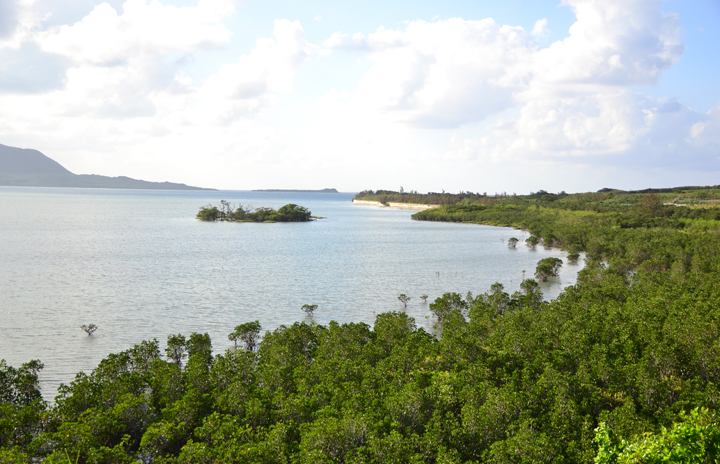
(137, 264)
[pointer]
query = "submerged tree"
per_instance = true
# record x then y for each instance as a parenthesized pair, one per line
(309, 309)
(528, 286)
(248, 333)
(89, 329)
(532, 241)
(404, 299)
(548, 267)
(424, 298)
(512, 242)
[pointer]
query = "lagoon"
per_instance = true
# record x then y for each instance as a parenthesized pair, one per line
(137, 264)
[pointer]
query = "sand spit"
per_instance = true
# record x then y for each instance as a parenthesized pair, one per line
(396, 205)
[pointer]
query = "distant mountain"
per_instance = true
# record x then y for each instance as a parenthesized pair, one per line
(298, 191)
(30, 168)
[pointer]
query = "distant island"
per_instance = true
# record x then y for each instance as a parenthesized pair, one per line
(21, 167)
(327, 190)
(225, 211)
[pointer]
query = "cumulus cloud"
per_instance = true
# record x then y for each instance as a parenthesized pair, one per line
(454, 72)
(128, 65)
(569, 102)
(612, 44)
(106, 37)
(442, 74)
(540, 29)
(256, 80)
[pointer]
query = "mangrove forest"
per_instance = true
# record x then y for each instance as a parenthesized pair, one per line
(225, 211)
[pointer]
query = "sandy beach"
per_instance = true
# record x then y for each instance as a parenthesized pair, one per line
(416, 206)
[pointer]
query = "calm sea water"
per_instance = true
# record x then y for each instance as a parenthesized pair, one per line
(138, 264)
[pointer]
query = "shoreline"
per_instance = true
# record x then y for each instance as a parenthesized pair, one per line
(415, 206)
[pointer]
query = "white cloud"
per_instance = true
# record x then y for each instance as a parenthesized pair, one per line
(566, 102)
(441, 74)
(255, 81)
(143, 29)
(612, 44)
(540, 30)
(124, 99)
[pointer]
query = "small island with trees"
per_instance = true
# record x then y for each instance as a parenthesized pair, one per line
(225, 211)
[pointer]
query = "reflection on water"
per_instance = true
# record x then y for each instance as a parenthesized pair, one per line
(138, 264)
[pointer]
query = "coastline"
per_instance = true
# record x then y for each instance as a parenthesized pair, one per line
(416, 206)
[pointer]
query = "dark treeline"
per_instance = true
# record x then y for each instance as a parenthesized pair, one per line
(676, 195)
(227, 212)
(632, 348)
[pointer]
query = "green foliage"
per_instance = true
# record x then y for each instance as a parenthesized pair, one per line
(446, 304)
(227, 212)
(404, 299)
(309, 309)
(248, 333)
(176, 348)
(21, 407)
(432, 198)
(89, 329)
(547, 267)
(695, 440)
(532, 241)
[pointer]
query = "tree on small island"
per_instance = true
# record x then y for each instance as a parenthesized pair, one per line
(248, 333)
(309, 309)
(512, 242)
(424, 298)
(548, 267)
(89, 329)
(404, 299)
(226, 212)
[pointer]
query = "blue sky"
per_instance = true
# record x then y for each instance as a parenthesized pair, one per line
(455, 95)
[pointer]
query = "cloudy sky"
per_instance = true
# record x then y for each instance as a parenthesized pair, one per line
(474, 95)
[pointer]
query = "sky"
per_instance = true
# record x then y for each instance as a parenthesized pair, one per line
(452, 95)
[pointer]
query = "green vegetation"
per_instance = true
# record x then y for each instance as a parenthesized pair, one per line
(227, 212)
(432, 198)
(309, 309)
(694, 441)
(89, 329)
(547, 268)
(686, 196)
(404, 299)
(248, 333)
(622, 367)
